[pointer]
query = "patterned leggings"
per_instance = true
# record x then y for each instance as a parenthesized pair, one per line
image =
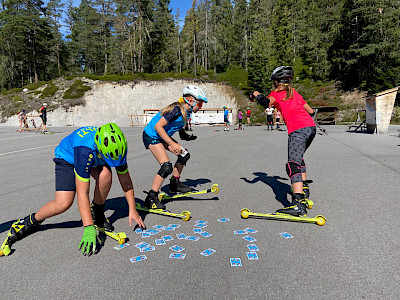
(298, 143)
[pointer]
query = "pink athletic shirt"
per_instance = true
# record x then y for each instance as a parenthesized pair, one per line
(292, 110)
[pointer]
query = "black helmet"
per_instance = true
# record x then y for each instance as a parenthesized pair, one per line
(282, 72)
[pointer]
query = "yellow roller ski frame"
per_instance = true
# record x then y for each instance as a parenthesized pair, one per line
(120, 237)
(214, 189)
(319, 220)
(185, 215)
(5, 248)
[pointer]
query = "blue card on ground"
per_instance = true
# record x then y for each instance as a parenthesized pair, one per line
(146, 235)
(119, 247)
(287, 235)
(201, 222)
(207, 252)
(148, 249)
(201, 225)
(167, 238)
(252, 247)
(169, 228)
(176, 248)
(174, 225)
(252, 255)
(177, 255)
(181, 236)
(158, 227)
(240, 232)
(192, 238)
(236, 262)
(197, 230)
(160, 242)
(138, 230)
(223, 220)
(249, 238)
(250, 230)
(138, 258)
(205, 234)
(142, 245)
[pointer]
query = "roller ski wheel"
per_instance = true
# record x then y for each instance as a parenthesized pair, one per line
(214, 189)
(319, 220)
(245, 213)
(120, 237)
(185, 215)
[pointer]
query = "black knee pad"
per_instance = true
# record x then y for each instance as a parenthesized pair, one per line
(293, 168)
(165, 169)
(183, 159)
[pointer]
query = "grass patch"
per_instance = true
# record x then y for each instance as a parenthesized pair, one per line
(49, 91)
(35, 85)
(77, 90)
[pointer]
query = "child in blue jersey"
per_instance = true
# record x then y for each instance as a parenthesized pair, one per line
(226, 118)
(88, 151)
(157, 137)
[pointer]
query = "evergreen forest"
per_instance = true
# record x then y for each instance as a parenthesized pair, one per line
(352, 42)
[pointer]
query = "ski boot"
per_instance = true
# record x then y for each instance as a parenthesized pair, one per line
(175, 186)
(19, 229)
(298, 209)
(99, 218)
(306, 190)
(152, 201)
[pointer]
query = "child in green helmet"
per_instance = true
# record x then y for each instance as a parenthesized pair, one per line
(88, 151)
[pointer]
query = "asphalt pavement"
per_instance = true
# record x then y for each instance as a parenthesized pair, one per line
(355, 255)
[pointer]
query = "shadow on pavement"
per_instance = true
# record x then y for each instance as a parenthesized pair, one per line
(280, 189)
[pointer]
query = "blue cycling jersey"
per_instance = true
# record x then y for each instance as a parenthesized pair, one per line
(175, 123)
(226, 112)
(79, 150)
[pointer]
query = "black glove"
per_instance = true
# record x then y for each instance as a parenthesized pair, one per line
(313, 114)
(185, 137)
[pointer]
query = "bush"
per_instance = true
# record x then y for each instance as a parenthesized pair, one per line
(76, 90)
(35, 85)
(49, 91)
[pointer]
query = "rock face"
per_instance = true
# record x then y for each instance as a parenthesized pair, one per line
(115, 102)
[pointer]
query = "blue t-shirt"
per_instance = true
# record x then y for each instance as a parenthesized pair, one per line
(226, 112)
(175, 123)
(79, 150)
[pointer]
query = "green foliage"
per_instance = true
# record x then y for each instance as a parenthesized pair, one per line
(49, 91)
(76, 90)
(35, 85)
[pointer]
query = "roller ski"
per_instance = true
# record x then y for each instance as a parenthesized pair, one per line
(181, 190)
(19, 229)
(103, 225)
(295, 213)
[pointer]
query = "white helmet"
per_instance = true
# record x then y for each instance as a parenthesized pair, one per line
(196, 92)
(44, 104)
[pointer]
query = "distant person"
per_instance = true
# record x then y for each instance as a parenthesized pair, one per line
(270, 119)
(226, 118)
(277, 118)
(248, 115)
(87, 152)
(240, 118)
(157, 137)
(22, 120)
(301, 130)
(43, 116)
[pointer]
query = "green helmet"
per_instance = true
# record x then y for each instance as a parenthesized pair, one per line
(112, 145)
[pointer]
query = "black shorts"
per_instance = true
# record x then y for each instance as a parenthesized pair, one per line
(44, 119)
(147, 140)
(65, 175)
(270, 119)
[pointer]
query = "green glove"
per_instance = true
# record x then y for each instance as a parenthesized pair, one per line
(88, 242)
